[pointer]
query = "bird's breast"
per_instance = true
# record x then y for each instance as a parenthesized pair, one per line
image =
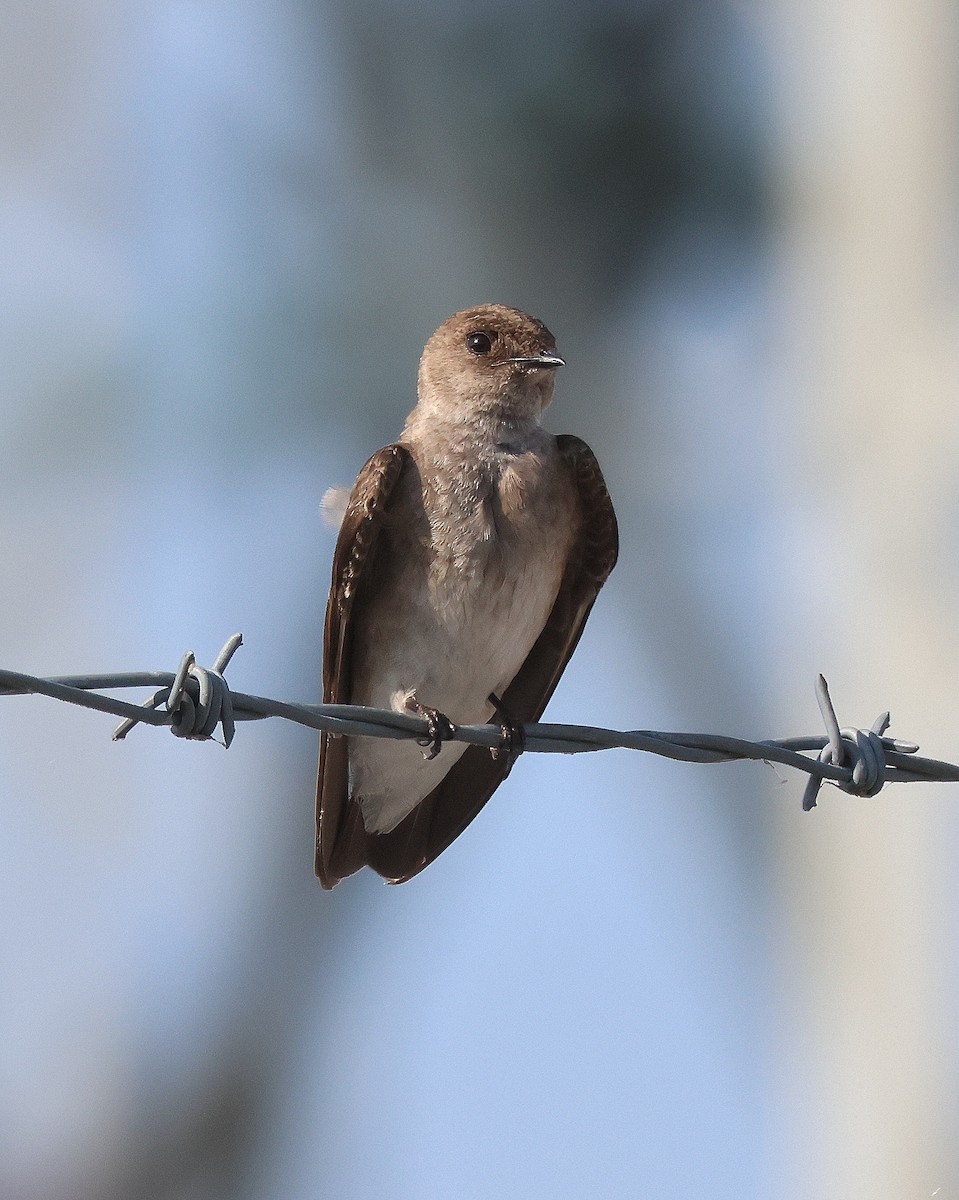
(492, 586)
(457, 613)
(494, 525)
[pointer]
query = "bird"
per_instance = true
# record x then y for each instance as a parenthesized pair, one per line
(467, 561)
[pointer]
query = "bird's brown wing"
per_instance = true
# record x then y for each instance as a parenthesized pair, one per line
(340, 836)
(443, 815)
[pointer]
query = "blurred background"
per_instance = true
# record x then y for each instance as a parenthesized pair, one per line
(226, 232)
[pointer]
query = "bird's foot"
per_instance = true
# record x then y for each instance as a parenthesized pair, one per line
(514, 739)
(440, 728)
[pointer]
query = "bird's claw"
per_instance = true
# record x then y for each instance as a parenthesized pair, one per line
(439, 727)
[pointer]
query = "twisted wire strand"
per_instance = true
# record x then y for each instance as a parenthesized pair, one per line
(195, 701)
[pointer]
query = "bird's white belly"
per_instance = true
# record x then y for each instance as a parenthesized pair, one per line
(450, 651)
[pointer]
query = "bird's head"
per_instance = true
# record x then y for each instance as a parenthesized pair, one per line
(489, 360)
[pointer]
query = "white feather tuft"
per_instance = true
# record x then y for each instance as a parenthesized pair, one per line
(333, 506)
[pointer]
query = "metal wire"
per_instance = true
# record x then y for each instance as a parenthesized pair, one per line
(195, 701)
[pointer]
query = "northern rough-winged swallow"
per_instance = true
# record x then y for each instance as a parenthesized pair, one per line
(468, 559)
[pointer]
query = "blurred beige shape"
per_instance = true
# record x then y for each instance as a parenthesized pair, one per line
(867, 197)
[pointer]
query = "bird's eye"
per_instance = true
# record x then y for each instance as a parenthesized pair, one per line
(479, 343)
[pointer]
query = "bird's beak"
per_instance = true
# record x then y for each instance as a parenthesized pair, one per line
(539, 360)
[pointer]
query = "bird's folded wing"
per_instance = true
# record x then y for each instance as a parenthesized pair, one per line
(340, 836)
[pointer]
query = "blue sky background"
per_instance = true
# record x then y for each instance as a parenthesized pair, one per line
(225, 234)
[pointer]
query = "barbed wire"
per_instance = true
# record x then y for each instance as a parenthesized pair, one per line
(195, 701)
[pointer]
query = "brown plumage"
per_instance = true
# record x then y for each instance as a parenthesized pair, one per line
(468, 559)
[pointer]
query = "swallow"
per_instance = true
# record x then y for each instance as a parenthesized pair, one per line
(469, 556)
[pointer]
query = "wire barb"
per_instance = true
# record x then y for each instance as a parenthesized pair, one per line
(198, 700)
(195, 701)
(866, 748)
